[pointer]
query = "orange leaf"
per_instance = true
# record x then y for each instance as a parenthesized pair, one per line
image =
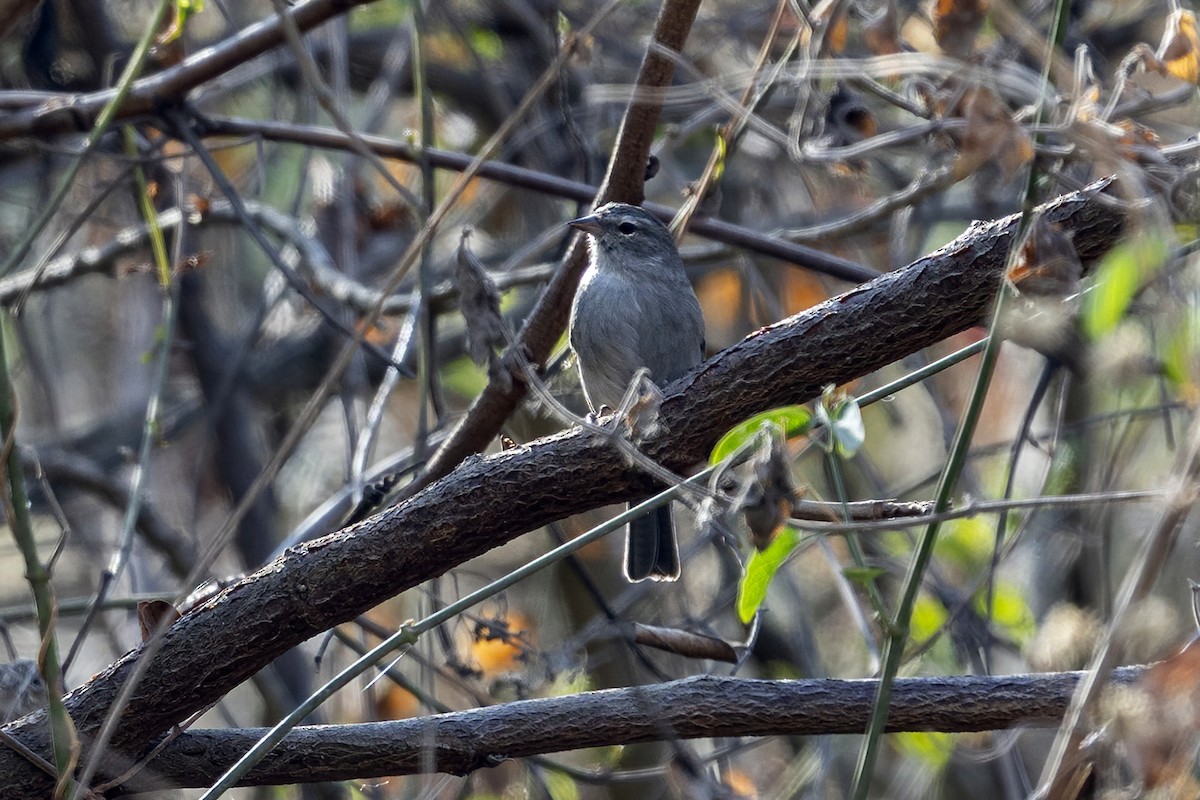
(500, 644)
(1179, 51)
(833, 15)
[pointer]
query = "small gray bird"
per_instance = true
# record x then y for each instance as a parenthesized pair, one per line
(635, 308)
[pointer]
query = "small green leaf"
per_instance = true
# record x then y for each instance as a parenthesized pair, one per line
(722, 154)
(929, 615)
(761, 568)
(561, 786)
(966, 543)
(487, 43)
(1178, 350)
(863, 575)
(463, 377)
(933, 748)
(1118, 278)
(1010, 611)
(1063, 476)
(790, 420)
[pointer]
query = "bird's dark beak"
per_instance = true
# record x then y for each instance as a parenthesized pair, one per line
(590, 224)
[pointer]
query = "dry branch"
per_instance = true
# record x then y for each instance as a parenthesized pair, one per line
(692, 708)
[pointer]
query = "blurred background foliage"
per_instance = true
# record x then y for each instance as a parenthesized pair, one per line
(879, 132)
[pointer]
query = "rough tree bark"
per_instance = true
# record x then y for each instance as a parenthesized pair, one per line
(699, 707)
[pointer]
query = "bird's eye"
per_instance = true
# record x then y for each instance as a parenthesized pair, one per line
(627, 228)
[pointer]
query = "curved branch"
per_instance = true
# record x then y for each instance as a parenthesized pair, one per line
(692, 708)
(488, 501)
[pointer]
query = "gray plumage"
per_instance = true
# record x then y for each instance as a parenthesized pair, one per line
(635, 308)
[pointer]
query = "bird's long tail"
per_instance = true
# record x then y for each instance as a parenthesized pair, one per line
(651, 551)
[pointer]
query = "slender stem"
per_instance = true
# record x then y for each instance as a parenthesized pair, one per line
(945, 362)
(898, 635)
(834, 465)
(893, 648)
(426, 320)
(158, 242)
(16, 502)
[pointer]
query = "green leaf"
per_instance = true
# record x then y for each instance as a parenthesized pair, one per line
(1010, 611)
(722, 154)
(864, 575)
(1178, 350)
(463, 377)
(933, 748)
(560, 785)
(1063, 476)
(966, 543)
(487, 43)
(1118, 278)
(761, 568)
(929, 615)
(790, 420)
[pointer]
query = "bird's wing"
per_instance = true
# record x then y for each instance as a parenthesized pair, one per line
(606, 345)
(670, 331)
